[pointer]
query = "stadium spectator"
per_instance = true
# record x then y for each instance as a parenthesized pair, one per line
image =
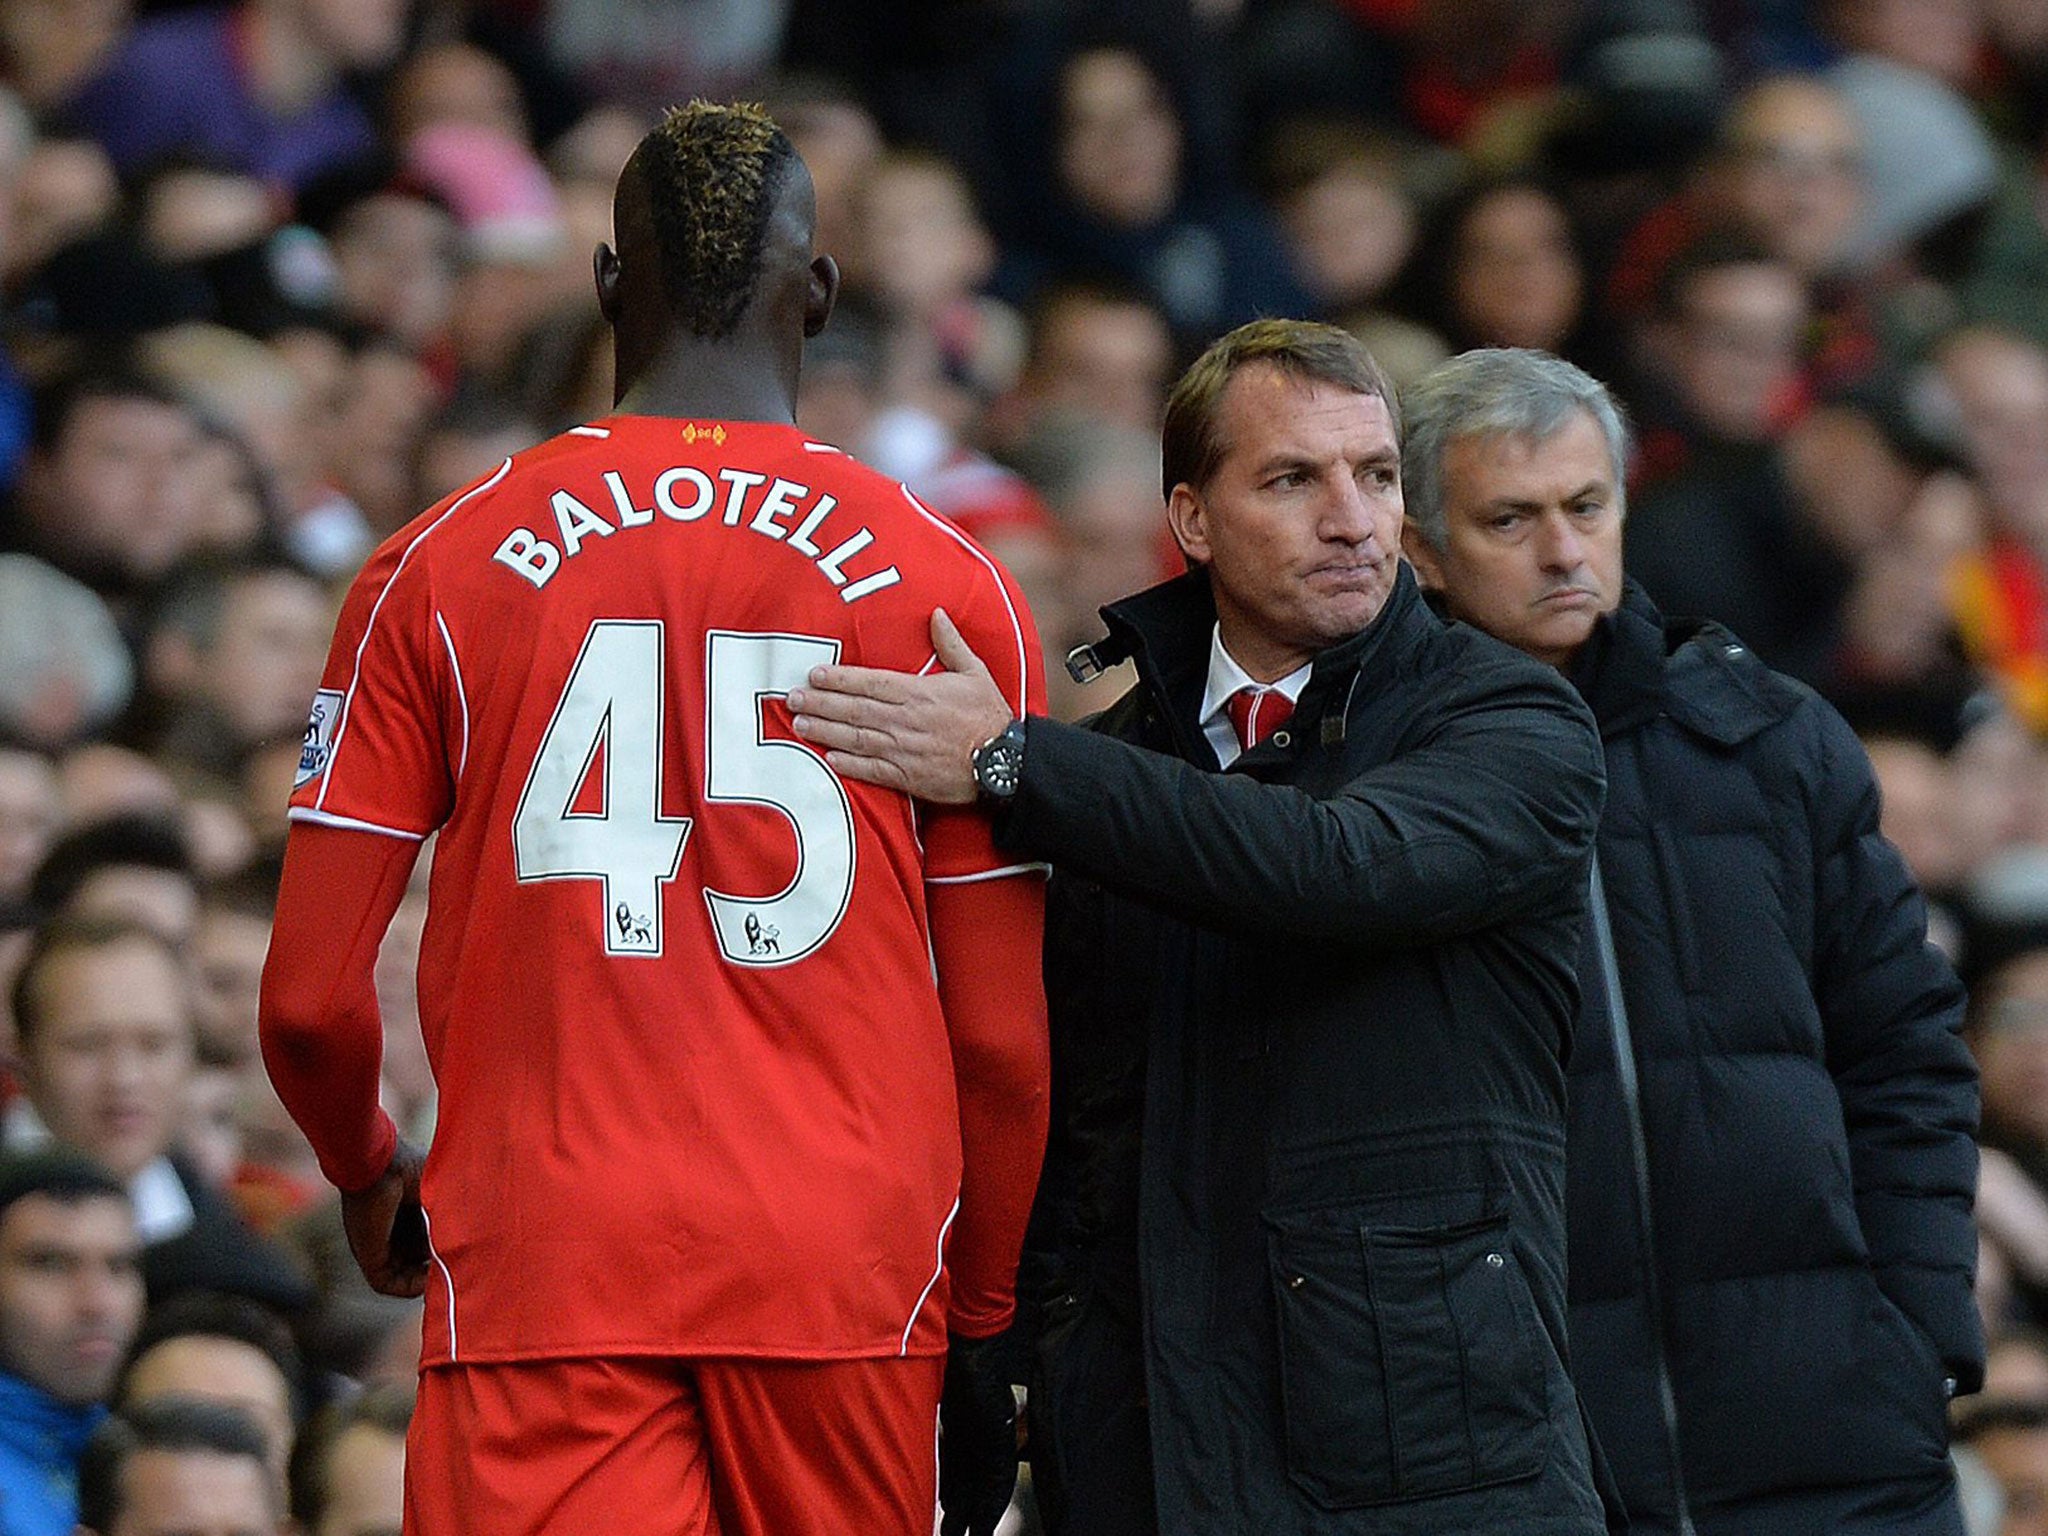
(130, 868)
(70, 1299)
(178, 1467)
(348, 1473)
(231, 655)
(221, 1349)
(257, 87)
(107, 494)
(105, 1018)
(1094, 347)
(1209, 256)
(1503, 269)
(65, 672)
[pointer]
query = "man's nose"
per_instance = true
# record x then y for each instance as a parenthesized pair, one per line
(1348, 514)
(1559, 544)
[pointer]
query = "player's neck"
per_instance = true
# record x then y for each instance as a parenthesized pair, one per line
(735, 380)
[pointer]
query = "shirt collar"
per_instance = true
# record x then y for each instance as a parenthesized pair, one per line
(1226, 677)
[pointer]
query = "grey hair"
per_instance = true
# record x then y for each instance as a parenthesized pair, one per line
(1497, 391)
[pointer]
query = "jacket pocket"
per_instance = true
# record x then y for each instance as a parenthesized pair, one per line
(1407, 1360)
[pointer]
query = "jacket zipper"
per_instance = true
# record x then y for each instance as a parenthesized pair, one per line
(1639, 1147)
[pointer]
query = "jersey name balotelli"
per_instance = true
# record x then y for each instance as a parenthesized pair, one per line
(696, 1093)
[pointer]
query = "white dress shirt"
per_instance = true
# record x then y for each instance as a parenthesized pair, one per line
(1225, 678)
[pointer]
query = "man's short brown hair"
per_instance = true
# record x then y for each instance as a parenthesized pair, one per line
(72, 935)
(1191, 445)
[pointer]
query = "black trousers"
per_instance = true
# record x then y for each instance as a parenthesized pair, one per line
(1091, 1444)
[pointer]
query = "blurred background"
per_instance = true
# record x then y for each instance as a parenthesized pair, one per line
(277, 276)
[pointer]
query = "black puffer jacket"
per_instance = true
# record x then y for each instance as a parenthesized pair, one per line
(1800, 1109)
(1322, 1293)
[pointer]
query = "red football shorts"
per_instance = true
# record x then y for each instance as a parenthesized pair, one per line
(653, 1447)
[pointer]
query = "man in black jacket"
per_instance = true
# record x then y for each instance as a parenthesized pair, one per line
(1319, 884)
(1771, 1156)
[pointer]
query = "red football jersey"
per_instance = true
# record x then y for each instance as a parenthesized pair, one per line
(696, 1095)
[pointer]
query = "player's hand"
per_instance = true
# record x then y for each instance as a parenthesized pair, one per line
(977, 1437)
(916, 734)
(387, 1228)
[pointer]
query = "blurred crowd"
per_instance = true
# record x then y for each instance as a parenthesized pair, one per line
(276, 276)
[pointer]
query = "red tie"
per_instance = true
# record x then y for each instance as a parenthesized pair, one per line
(1257, 713)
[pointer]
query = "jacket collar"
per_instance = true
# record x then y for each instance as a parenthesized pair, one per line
(29, 1413)
(1638, 664)
(1165, 630)
(1619, 671)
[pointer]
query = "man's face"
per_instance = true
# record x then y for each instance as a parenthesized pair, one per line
(1794, 172)
(1739, 329)
(366, 1482)
(194, 1493)
(266, 661)
(225, 1371)
(1300, 525)
(70, 1293)
(112, 1046)
(1532, 537)
(1119, 141)
(120, 486)
(1106, 360)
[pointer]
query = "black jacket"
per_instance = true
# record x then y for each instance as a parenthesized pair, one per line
(1333, 986)
(1805, 1109)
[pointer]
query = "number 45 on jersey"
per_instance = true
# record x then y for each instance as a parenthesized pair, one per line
(614, 705)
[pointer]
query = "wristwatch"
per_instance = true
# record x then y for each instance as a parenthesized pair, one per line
(999, 763)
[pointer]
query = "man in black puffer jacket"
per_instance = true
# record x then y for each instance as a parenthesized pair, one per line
(1770, 1155)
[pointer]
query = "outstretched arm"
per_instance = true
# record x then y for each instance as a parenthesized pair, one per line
(1494, 807)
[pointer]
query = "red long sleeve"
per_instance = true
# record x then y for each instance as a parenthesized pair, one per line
(323, 1039)
(987, 941)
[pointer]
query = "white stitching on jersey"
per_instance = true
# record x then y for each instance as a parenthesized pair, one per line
(944, 1227)
(461, 693)
(1016, 624)
(350, 823)
(348, 699)
(447, 1275)
(989, 874)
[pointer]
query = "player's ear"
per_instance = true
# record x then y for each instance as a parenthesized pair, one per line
(604, 267)
(1188, 521)
(821, 294)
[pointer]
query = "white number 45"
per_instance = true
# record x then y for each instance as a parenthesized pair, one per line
(614, 704)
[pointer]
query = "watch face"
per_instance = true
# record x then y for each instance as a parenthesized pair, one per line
(998, 765)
